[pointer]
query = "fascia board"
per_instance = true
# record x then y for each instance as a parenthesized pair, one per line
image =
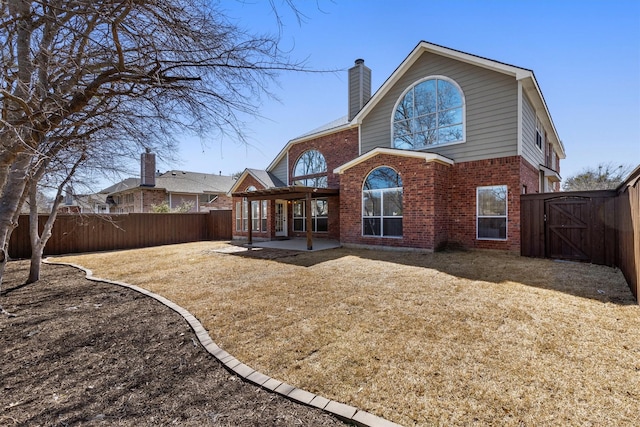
(235, 186)
(532, 89)
(518, 73)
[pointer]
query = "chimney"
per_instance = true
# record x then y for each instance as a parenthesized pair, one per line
(359, 87)
(148, 169)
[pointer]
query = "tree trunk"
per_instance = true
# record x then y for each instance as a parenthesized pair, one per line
(11, 202)
(36, 243)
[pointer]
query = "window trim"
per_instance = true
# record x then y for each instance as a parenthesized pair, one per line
(406, 91)
(539, 130)
(505, 216)
(381, 216)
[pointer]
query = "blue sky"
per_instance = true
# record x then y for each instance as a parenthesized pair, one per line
(585, 56)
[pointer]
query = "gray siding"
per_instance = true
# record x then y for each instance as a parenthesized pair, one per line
(530, 151)
(491, 110)
(280, 170)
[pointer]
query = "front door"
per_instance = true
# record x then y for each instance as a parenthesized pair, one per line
(281, 218)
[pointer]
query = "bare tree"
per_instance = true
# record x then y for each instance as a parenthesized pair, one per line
(605, 176)
(67, 169)
(130, 72)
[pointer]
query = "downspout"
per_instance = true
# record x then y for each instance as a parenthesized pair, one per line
(141, 201)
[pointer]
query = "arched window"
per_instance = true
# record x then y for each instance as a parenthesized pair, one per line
(310, 170)
(382, 203)
(431, 112)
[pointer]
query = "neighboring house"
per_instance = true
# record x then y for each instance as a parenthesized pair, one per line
(85, 203)
(201, 191)
(438, 155)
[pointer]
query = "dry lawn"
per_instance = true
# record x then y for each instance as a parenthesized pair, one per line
(453, 338)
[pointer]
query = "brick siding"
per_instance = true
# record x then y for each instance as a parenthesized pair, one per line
(439, 201)
(337, 149)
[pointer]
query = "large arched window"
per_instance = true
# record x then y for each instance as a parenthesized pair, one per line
(431, 112)
(310, 170)
(382, 203)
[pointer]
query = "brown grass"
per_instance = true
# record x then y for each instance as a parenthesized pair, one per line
(420, 339)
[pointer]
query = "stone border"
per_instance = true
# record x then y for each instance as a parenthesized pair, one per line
(344, 412)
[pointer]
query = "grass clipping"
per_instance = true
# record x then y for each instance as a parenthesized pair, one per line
(420, 339)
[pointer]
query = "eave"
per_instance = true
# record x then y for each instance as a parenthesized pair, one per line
(428, 157)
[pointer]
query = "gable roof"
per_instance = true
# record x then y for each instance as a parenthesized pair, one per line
(121, 186)
(523, 75)
(267, 179)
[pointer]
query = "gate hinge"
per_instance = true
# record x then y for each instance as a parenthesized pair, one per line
(545, 217)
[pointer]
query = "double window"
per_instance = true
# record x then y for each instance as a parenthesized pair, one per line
(431, 112)
(258, 214)
(382, 203)
(310, 170)
(319, 215)
(492, 212)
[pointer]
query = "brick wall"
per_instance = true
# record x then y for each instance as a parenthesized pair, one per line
(222, 202)
(439, 201)
(529, 177)
(466, 177)
(337, 149)
(424, 209)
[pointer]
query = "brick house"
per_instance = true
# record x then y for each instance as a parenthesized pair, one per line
(201, 192)
(438, 155)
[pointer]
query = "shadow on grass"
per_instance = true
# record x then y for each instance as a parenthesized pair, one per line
(600, 283)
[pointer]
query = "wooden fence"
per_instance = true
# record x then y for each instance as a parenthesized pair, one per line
(628, 227)
(602, 227)
(75, 233)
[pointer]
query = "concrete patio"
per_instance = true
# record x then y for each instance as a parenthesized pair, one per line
(297, 244)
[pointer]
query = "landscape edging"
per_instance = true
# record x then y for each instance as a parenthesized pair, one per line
(340, 410)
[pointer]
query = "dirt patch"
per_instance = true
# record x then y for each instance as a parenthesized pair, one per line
(84, 353)
(454, 338)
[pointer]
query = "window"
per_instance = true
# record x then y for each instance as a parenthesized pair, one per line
(382, 203)
(492, 212)
(238, 216)
(259, 215)
(539, 134)
(245, 214)
(264, 215)
(319, 215)
(207, 198)
(430, 113)
(255, 215)
(311, 170)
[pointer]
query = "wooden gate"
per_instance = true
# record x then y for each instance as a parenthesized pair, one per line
(577, 225)
(567, 224)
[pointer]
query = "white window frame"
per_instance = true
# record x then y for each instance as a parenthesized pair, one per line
(382, 216)
(505, 216)
(464, 111)
(238, 216)
(255, 215)
(263, 215)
